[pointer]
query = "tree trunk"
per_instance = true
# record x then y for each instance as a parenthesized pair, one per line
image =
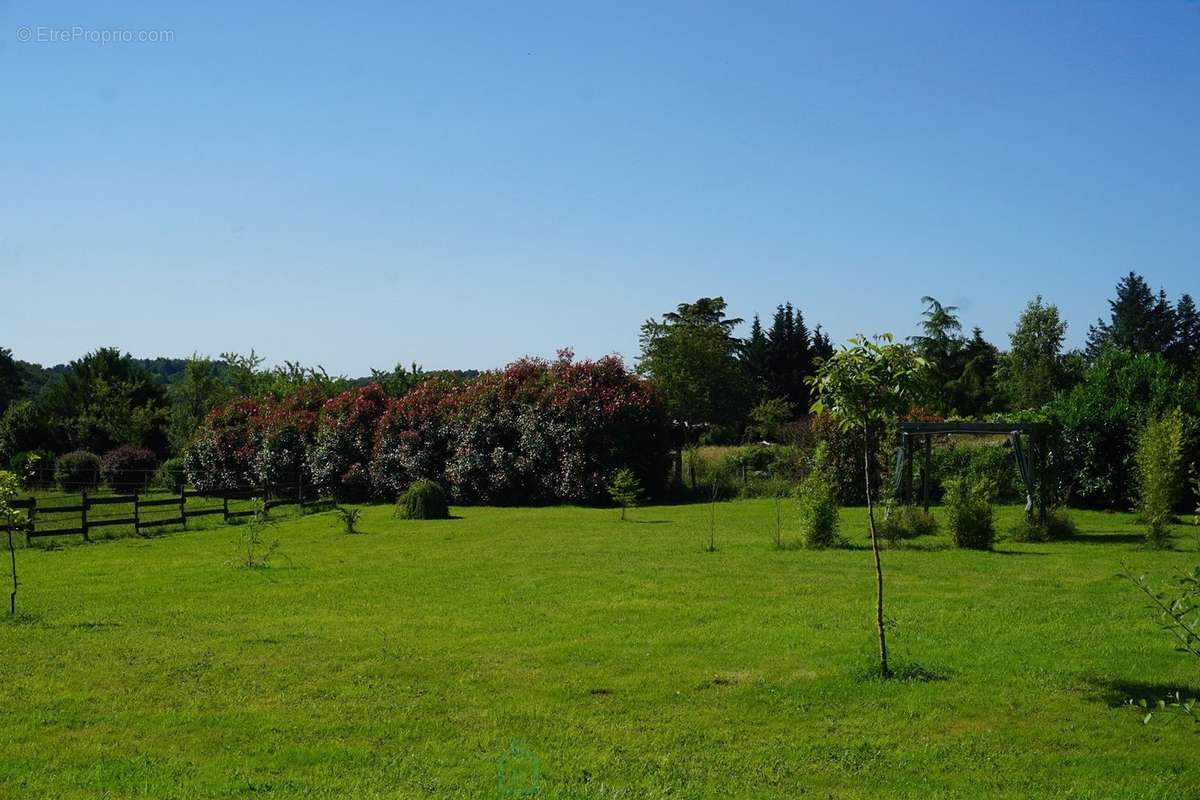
(884, 670)
(12, 554)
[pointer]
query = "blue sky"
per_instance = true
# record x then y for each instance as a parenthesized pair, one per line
(461, 184)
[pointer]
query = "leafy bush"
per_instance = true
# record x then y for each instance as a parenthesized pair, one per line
(423, 500)
(344, 441)
(77, 470)
(222, 452)
(818, 504)
(412, 441)
(128, 468)
(989, 462)
(1159, 458)
(906, 522)
(536, 432)
(23, 428)
(33, 467)
(1056, 526)
(844, 457)
(1095, 426)
(171, 475)
(286, 433)
(969, 514)
(769, 418)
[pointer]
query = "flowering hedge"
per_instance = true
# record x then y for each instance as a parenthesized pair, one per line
(224, 447)
(413, 439)
(252, 440)
(536, 432)
(555, 432)
(340, 455)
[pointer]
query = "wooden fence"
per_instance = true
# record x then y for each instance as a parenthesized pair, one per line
(145, 511)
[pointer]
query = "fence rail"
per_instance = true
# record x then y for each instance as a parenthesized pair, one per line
(35, 526)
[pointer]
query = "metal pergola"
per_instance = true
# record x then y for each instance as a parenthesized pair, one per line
(1027, 455)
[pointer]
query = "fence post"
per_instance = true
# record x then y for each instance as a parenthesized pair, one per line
(137, 517)
(225, 506)
(83, 509)
(182, 503)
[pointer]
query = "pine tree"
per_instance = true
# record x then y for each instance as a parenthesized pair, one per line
(789, 356)
(754, 358)
(941, 346)
(822, 347)
(1185, 350)
(1139, 322)
(974, 392)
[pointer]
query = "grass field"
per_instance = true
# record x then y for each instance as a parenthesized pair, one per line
(630, 663)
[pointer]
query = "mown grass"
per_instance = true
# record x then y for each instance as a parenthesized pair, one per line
(406, 661)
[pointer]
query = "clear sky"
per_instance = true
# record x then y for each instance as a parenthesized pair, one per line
(461, 184)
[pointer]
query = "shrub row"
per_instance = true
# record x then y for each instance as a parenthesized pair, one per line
(536, 432)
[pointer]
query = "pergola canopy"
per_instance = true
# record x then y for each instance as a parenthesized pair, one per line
(1028, 457)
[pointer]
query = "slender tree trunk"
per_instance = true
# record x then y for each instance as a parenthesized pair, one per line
(884, 670)
(12, 554)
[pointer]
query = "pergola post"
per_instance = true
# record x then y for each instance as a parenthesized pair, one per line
(906, 447)
(925, 476)
(1039, 466)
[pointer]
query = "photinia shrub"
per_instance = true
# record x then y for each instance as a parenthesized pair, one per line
(412, 441)
(344, 442)
(286, 432)
(535, 432)
(221, 455)
(128, 467)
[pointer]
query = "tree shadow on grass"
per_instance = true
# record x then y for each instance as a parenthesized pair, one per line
(904, 670)
(1116, 692)
(1107, 538)
(20, 618)
(648, 521)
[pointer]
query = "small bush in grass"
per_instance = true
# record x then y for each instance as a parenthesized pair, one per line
(128, 468)
(349, 517)
(77, 470)
(171, 475)
(1057, 526)
(907, 522)
(1159, 459)
(818, 504)
(625, 490)
(423, 500)
(969, 513)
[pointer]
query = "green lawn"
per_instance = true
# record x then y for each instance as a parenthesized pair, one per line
(405, 661)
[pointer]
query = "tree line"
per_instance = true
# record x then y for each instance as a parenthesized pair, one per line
(725, 389)
(1141, 359)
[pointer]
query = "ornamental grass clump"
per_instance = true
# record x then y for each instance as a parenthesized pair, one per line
(423, 500)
